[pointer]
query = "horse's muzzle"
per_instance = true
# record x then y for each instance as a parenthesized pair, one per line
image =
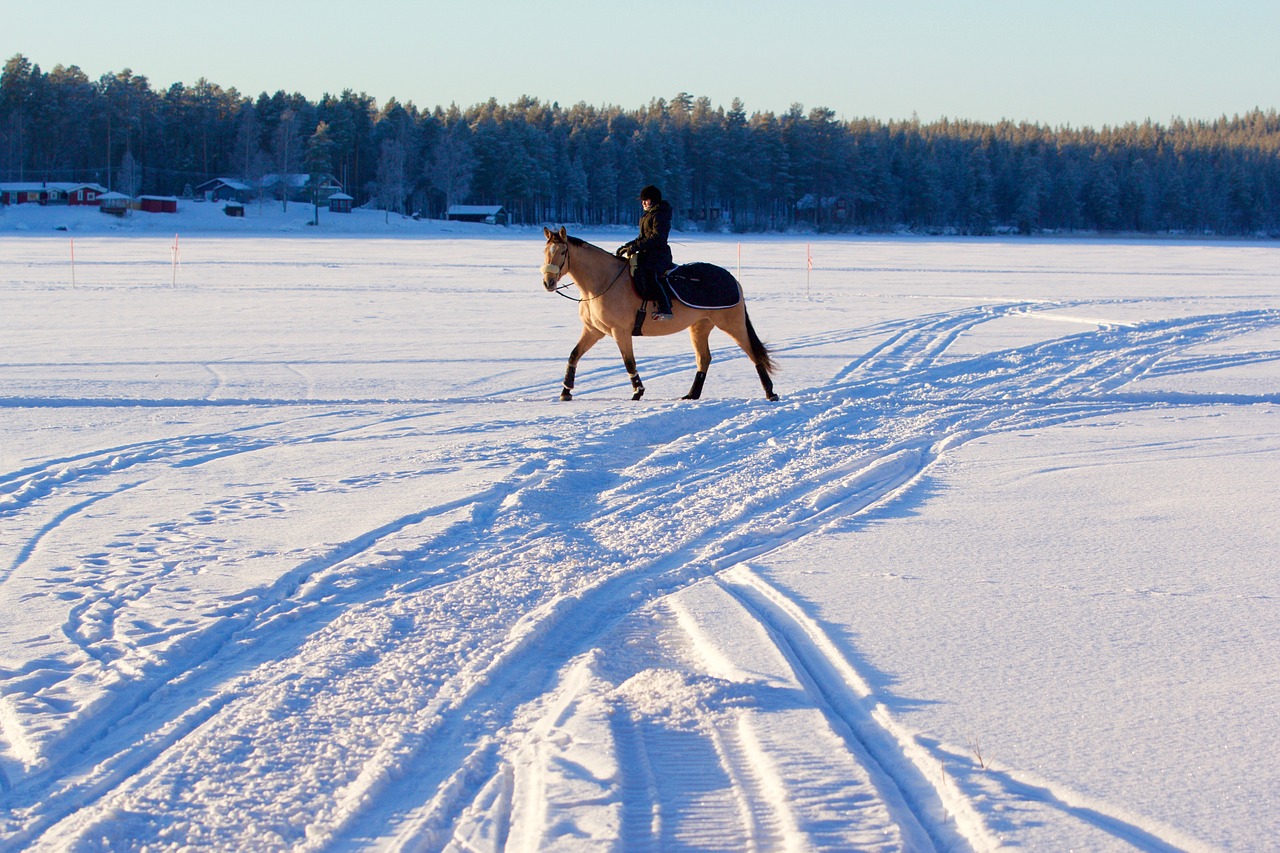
(549, 274)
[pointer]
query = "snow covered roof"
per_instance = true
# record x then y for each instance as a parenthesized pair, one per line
(474, 209)
(296, 180)
(60, 186)
(233, 183)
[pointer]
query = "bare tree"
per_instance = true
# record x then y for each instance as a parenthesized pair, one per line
(248, 130)
(451, 171)
(259, 166)
(130, 174)
(392, 186)
(286, 153)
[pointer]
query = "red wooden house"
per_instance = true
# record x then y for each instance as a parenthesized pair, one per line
(50, 192)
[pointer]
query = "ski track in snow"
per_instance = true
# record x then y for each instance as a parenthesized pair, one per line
(510, 649)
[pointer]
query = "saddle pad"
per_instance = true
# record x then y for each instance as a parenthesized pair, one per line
(704, 286)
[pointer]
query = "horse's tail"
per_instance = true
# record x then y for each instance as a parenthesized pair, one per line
(759, 351)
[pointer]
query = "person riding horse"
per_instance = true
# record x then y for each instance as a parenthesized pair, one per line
(652, 255)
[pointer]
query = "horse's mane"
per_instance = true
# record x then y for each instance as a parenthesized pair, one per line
(578, 241)
(555, 237)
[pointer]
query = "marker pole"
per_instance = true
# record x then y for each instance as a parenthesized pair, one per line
(808, 250)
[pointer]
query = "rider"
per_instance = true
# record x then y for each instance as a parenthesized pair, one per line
(652, 254)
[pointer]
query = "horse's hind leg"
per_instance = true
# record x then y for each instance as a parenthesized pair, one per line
(745, 336)
(766, 382)
(586, 342)
(699, 333)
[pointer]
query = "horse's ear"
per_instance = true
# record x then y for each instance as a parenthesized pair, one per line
(546, 233)
(564, 235)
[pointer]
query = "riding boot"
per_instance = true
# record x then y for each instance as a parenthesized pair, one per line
(660, 296)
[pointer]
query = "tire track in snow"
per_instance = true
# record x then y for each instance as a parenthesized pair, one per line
(770, 477)
(592, 611)
(217, 653)
(522, 646)
(20, 488)
(922, 341)
(267, 625)
(1052, 412)
(799, 782)
(910, 779)
(1018, 421)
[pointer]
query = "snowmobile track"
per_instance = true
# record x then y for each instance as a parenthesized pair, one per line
(589, 533)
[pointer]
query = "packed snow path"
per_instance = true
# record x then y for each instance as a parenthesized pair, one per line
(493, 621)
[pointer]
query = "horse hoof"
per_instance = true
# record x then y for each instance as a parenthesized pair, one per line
(565, 396)
(772, 398)
(638, 394)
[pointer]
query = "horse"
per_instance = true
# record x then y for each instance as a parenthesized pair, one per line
(611, 306)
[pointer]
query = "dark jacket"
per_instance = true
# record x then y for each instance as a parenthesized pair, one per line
(651, 245)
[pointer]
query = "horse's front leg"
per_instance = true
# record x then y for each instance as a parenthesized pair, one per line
(629, 361)
(586, 342)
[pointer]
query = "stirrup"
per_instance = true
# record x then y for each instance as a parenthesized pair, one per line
(661, 315)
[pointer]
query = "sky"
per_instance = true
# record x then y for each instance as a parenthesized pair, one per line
(1079, 63)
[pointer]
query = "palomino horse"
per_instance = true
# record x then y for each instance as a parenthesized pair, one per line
(609, 306)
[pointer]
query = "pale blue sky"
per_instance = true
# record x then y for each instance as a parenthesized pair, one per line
(1077, 62)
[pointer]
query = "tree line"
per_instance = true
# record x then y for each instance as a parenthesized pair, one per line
(721, 168)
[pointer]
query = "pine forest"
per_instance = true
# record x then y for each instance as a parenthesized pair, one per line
(722, 168)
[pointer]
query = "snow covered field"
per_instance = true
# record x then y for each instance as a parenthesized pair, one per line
(303, 553)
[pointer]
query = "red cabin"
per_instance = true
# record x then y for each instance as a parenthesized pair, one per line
(158, 203)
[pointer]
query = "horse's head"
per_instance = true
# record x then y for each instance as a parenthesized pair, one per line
(555, 257)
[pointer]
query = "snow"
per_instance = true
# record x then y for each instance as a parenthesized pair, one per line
(298, 549)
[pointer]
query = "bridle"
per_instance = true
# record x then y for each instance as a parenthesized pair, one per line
(560, 270)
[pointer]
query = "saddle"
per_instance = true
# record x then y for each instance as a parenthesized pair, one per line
(700, 285)
(697, 285)
(704, 286)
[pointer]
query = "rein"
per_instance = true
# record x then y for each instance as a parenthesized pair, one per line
(564, 269)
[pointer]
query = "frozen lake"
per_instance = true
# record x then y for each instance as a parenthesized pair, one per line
(298, 550)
